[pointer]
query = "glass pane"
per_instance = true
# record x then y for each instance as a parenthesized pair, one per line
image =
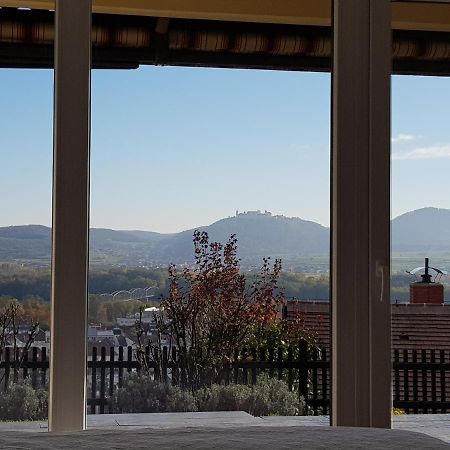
(420, 246)
(183, 158)
(25, 234)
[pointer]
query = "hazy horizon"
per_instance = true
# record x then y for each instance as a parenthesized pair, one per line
(203, 224)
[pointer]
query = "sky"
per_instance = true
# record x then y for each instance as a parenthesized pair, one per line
(176, 148)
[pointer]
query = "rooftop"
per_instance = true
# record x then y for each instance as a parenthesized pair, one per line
(414, 326)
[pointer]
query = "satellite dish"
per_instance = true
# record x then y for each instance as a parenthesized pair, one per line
(426, 277)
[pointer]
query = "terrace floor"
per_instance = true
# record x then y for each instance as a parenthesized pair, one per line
(435, 425)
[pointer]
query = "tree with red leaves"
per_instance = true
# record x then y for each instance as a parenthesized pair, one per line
(211, 310)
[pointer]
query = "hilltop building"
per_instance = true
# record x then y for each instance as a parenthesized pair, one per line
(257, 212)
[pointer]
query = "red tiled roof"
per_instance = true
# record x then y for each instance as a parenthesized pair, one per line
(414, 326)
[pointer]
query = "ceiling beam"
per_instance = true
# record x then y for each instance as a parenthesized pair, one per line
(315, 12)
(421, 16)
(405, 15)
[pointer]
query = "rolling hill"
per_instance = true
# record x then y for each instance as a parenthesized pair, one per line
(422, 230)
(259, 235)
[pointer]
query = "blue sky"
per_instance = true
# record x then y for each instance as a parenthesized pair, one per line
(174, 148)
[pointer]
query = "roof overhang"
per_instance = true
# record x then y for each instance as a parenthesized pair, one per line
(412, 15)
(287, 35)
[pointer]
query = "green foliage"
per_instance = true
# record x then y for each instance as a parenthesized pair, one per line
(21, 402)
(268, 397)
(281, 335)
(211, 310)
(304, 286)
(141, 394)
(22, 283)
(116, 279)
(181, 401)
(106, 311)
(219, 397)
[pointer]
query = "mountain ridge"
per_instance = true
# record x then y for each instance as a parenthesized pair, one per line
(259, 234)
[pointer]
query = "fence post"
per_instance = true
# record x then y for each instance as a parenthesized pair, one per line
(24, 364)
(93, 379)
(158, 366)
(280, 363)
(7, 366)
(325, 390)
(129, 358)
(262, 358)
(244, 366)
(303, 370)
(111, 378)
(183, 374)
(34, 370)
(271, 361)
(235, 366)
(175, 373)
(315, 380)
(290, 360)
(16, 365)
(415, 383)
(147, 359)
(164, 364)
(424, 381)
(406, 379)
(102, 380)
(254, 369)
(396, 377)
(44, 366)
(443, 386)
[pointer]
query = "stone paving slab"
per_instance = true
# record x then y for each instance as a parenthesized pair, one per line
(172, 420)
(435, 425)
(229, 438)
(23, 426)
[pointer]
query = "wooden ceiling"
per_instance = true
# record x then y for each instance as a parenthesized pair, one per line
(284, 35)
(405, 15)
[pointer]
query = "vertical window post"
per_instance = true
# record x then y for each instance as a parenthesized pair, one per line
(67, 404)
(361, 327)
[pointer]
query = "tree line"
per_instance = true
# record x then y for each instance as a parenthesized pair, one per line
(23, 283)
(32, 288)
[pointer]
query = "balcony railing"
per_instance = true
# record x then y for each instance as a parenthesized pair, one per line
(420, 379)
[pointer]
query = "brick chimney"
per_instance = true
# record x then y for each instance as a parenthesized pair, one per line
(426, 291)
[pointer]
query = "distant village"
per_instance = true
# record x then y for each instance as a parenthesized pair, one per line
(421, 322)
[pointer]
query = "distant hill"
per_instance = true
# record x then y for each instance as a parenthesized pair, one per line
(25, 242)
(259, 235)
(422, 230)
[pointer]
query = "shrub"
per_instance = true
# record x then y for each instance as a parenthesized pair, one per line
(180, 401)
(232, 397)
(22, 402)
(140, 393)
(211, 309)
(273, 397)
(269, 396)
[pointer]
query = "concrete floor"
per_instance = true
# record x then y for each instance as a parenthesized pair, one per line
(435, 425)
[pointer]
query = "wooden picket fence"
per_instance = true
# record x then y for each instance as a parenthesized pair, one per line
(421, 379)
